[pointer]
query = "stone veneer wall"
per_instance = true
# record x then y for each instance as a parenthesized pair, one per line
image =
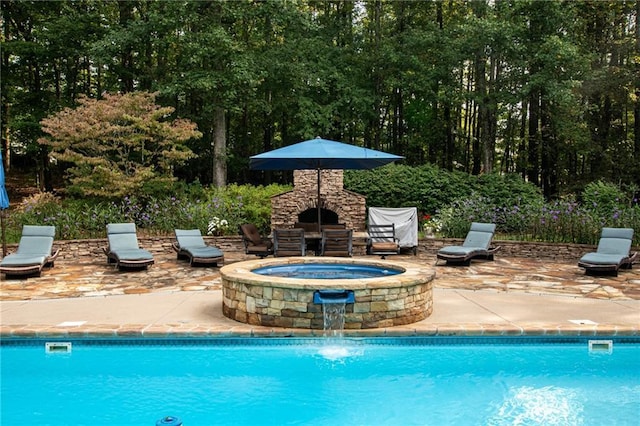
(553, 251)
(274, 301)
(350, 206)
(294, 308)
(72, 249)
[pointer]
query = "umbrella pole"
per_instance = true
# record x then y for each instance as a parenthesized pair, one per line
(4, 240)
(319, 207)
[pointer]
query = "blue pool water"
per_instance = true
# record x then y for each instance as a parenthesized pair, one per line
(326, 271)
(315, 382)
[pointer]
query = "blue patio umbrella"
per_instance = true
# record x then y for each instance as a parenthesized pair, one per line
(4, 204)
(318, 154)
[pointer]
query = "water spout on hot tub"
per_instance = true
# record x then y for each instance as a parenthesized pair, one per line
(334, 304)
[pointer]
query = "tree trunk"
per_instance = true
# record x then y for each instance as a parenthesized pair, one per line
(549, 154)
(483, 132)
(636, 105)
(521, 165)
(4, 109)
(219, 148)
(533, 167)
(125, 9)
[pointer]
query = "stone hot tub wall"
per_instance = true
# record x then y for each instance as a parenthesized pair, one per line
(350, 206)
(285, 302)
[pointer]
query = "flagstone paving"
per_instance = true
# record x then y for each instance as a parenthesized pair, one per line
(92, 277)
(508, 296)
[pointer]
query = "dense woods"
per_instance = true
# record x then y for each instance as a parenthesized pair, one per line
(548, 90)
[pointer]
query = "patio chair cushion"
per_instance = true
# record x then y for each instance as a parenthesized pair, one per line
(602, 259)
(132, 254)
(17, 259)
(384, 246)
(251, 232)
(615, 241)
(480, 235)
(191, 238)
(122, 236)
(202, 252)
(458, 250)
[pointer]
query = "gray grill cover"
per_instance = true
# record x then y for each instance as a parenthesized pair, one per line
(405, 220)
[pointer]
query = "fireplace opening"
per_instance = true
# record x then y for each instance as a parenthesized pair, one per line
(327, 217)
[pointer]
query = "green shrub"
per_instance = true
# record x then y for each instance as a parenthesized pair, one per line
(603, 198)
(195, 208)
(426, 187)
(453, 200)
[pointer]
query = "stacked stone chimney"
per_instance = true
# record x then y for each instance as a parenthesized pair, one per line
(349, 206)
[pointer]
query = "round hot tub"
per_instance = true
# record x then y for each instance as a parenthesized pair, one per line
(280, 291)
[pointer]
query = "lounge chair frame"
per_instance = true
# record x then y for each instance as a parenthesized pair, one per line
(125, 239)
(337, 242)
(32, 234)
(476, 245)
(191, 246)
(612, 254)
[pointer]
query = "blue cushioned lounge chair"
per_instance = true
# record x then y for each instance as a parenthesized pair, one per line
(190, 245)
(475, 245)
(123, 249)
(34, 252)
(613, 252)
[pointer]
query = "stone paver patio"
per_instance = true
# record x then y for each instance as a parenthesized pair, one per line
(506, 283)
(91, 277)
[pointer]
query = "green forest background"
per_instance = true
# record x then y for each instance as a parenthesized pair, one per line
(545, 89)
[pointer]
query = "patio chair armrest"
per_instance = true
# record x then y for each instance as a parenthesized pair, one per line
(54, 255)
(175, 246)
(492, 250)
(633, 257)
(52, 258)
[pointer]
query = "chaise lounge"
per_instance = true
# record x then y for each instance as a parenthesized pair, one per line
(612, 254)
(475, 245)
(34, 252)
(123, 249)
(190, 245)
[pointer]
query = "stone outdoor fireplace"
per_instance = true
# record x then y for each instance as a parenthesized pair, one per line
(300, 204)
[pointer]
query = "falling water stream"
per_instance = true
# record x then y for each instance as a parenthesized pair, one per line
(334, 347)
(333, 319)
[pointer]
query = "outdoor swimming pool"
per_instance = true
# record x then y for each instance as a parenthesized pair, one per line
(379, 381)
